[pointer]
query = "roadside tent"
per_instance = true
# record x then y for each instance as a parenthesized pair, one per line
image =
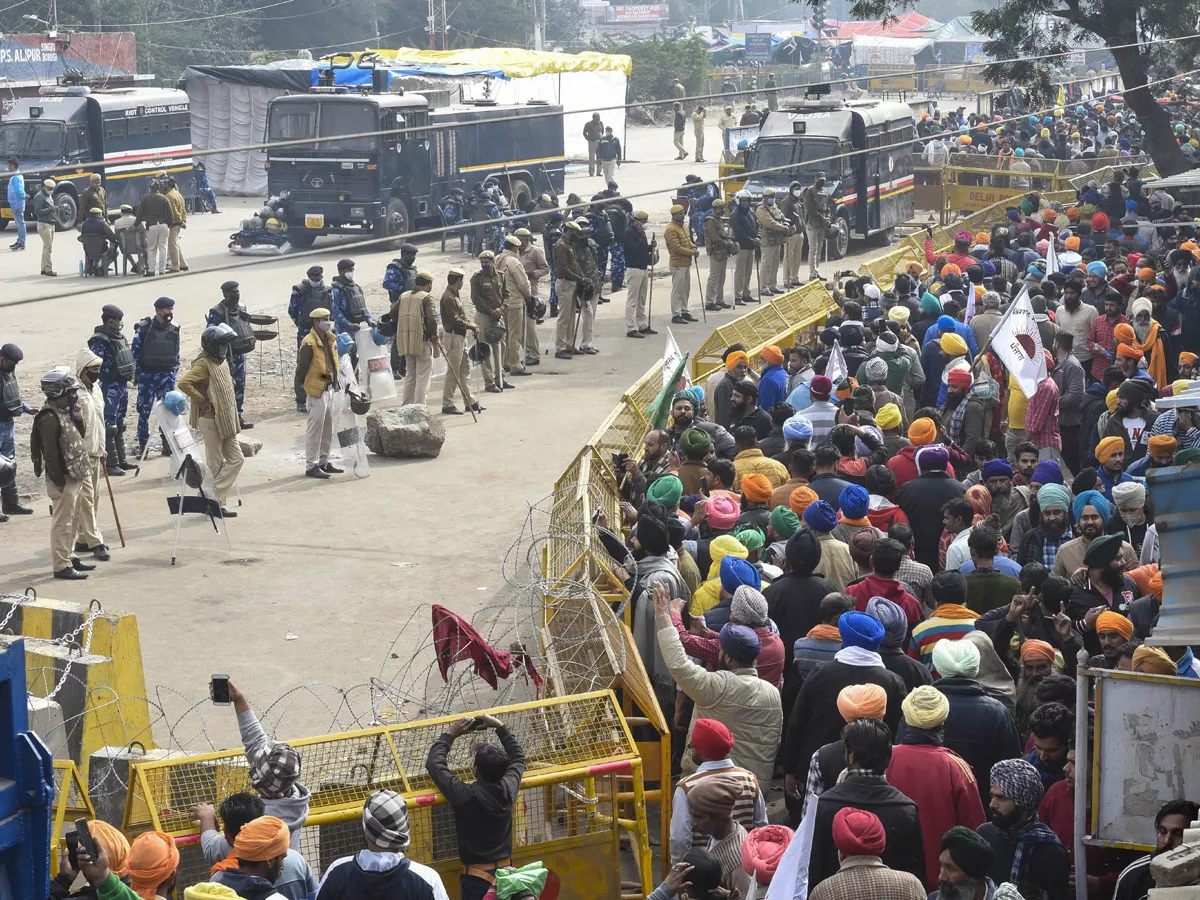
(905, 24)
(956, 41)
(872, 50)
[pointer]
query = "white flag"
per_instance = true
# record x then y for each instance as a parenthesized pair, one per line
(1018, 343)
(836, 367)
(1052, 265)
(970, 302)
(671, 357)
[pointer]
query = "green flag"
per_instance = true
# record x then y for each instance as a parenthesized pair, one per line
(660, 410)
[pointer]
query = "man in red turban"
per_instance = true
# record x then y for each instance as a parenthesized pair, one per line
(860, 838)
(710, 746)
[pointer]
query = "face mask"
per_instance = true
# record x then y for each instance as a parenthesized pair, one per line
(485, 269)
(797, 193)
(167, 318)
(233, 299)
(770, 201)
(318, 283)
(349, 276)
(324, 325)
(677, 218)
(1132, 517)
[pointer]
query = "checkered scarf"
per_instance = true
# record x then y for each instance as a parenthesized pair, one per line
(385, 821)
(274, 770)
(1026, 836)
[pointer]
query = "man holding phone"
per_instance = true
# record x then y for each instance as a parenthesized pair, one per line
(106, 838)
(483, 809)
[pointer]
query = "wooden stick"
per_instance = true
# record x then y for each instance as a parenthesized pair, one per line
(113, 501)
(453, 370)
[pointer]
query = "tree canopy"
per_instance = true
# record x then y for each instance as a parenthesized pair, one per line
(1022, 29)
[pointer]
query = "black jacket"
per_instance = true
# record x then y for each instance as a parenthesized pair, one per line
(1143, 613)
(911, 672)
(1049, 864)
(637, 249)
(979, 729)
(1038, 627)
(483, 812)
(815, 720)
(744, 227)
(922, 500)
(793, 604)
(1083, 599)
(905, 850)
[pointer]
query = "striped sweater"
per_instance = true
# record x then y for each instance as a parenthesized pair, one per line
(950, 621)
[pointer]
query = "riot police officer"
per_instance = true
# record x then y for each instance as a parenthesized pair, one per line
(108, 342)
(230, 312)
(156, 362)
(399, 278)
(349, 308)
(11, 407)
(311, 293)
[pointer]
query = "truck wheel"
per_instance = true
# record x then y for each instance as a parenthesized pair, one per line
(395, 222)
(522, 193)
(66, 211)
(839, 241)
(4, 223)
(301, 238)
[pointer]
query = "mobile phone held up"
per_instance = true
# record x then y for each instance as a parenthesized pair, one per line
(218, 689)
(86, 842)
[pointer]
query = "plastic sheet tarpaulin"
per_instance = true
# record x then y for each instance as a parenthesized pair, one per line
(354, 76)
(514, 62)
(231, 115)
(886, 51)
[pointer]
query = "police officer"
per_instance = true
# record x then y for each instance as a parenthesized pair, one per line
(816, 221)
(569, 278)
(719, 244)
(309, 294)
(11, 406)
(455, 326)
(487, 295)
(517, 294)
(349, 309)
(58, 451)
(116, 370)
(400, 276)
(230, 312)
(156, 361)
(536, 268)
(551, 235)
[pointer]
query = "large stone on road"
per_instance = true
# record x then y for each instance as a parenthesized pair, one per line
(405, 432)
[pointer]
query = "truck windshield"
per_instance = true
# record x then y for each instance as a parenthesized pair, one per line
(293, 121)
(34, 139)
(803, 157)
(348, 119)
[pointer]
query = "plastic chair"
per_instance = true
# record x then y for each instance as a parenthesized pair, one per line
(263, 332)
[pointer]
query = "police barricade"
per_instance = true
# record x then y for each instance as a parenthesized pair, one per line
(567, 813)
(70, 803)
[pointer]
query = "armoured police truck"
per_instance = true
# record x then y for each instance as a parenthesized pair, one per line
(385, 158)
(865, 149)
(123, 134)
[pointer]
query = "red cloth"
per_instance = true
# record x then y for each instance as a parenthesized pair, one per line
(883, 519)
(904, 466)
(1058, 811)
(958, 259)
(876, 586)
(454, 640)
(943, 786)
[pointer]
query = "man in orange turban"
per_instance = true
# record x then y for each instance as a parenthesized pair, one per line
(862, 701)
(108, 839)
(1187, 364)
(152, 861)
(1106, 448)
(260, 848)
(1112, 630)
(800, 498)
(921, 432)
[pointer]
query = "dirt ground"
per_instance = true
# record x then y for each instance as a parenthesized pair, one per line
(323, 575)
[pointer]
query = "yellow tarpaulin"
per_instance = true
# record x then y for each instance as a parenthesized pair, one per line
(514, 62)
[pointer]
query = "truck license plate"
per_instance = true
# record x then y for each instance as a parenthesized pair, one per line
(6, 212)
(314, 221)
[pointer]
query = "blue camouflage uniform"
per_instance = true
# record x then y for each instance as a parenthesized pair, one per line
(151, 385)
(114, 388)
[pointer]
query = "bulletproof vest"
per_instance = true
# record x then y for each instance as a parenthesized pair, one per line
(356, 303)
(10, 395)
(311, 298)
(160, 346)
(122, 356)
(239, 321)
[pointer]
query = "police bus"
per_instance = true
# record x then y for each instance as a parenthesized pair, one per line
(388, 179)
(871, 192)
(123, 134)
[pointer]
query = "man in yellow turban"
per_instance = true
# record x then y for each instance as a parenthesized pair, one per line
(1112, 630)
(934, 777)
(1187, 364)
(1153, 661)
(260, 848)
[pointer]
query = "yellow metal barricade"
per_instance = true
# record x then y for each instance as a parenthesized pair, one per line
(70, 803)
(578, 750)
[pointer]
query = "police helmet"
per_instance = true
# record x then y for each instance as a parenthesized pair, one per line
(176, 402)
(59, 381)
(345, 342)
